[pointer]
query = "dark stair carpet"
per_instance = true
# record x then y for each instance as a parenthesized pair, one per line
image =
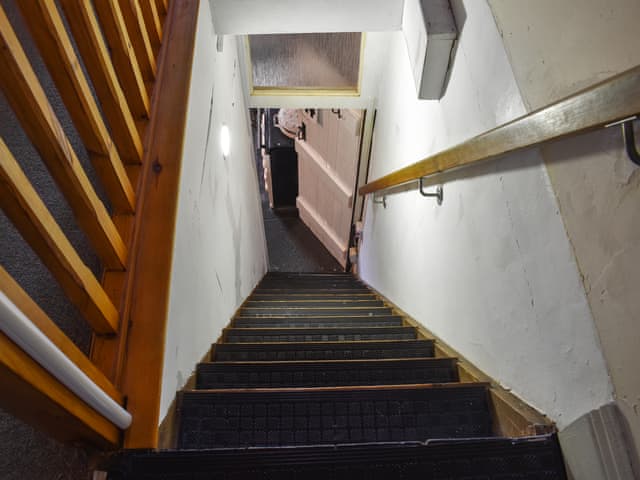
(317, 378)
(216, 375)
(536, 458)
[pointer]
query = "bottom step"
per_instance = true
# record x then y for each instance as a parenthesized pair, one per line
(534, 458)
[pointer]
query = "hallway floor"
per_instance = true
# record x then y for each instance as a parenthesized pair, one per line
(291, 245)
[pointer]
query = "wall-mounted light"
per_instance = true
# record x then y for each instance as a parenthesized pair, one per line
(225, 140)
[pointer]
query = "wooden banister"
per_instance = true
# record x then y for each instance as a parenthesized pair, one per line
(606, 102)
(124, 57)
(28, 100)
(127, 308)
(53, 41)
(139, 37)
(90, 42)
(27, 211)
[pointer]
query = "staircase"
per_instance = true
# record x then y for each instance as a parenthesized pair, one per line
(317, 378)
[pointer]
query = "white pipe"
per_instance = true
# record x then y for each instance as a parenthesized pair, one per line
(24, 333)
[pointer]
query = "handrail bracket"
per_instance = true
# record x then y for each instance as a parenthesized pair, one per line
(629, 138)
(439, 193)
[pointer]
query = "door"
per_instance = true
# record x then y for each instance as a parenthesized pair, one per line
(327, 170)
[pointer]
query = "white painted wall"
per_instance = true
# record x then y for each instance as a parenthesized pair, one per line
(220, 248)
(305, 16)
(556, 49)
(491, 271)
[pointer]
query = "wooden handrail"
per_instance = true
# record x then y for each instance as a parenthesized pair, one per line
(614, 99)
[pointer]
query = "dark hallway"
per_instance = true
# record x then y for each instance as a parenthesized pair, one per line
(292, 247)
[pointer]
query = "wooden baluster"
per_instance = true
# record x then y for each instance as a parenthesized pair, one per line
(27, 211)
(124, 57)
(152, 23)
(84, 26)
(139, 37)
(28, 100)
(50, 35)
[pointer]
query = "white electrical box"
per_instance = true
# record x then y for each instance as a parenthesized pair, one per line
(430, 32)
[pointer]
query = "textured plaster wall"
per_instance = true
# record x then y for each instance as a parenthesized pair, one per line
(220, 248)
(556, 49)
(491, 271)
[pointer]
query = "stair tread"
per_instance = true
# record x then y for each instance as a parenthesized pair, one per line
(334, 415)
(486, 458)
(324, 350)
(340, 388)
(294, 374)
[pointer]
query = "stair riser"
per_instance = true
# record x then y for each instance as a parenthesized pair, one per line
(241, 335)
(350, 303)
(314, 312)
(221, 420)
(337, 322)
(319, 351)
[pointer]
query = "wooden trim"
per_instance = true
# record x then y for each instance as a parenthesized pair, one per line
(613, 99)
(25, 208)
(90, 42)
(40, 319)
(40, 399)
(511, 416)
(146, 296)
(124, 57)
(152, 23)
(25, 94)
(48, 30)
(139, 37)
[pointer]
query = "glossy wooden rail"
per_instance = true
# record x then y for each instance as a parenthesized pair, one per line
(606, 102)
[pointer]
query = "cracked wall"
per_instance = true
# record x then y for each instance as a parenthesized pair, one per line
(555, 49)
(220, 248)
(491, 271)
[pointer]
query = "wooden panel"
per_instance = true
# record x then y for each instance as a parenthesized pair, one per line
(611, 100)
(40, 399)
(23, 301)
(139, 37)
(26, 210)
(145, 312)
(26, 96)
(152, 23)
(90, 42)
(124, 57)
(47, 28)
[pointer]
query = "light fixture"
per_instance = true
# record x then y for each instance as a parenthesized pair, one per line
(225, 140)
